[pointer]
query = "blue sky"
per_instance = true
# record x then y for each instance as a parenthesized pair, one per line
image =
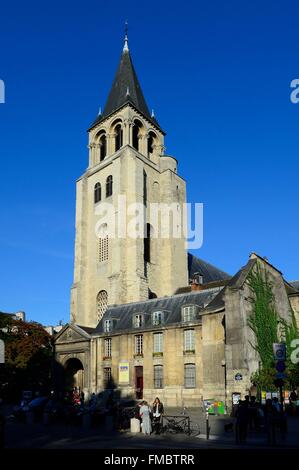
(218, 77)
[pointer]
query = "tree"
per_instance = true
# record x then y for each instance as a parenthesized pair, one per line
(28, 357)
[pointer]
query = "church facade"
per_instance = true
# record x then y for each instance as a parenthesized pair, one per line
(147, 318)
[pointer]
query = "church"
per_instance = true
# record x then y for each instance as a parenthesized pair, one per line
(148, 318)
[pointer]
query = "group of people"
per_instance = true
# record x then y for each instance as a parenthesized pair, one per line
(150, 417)
(252, 415)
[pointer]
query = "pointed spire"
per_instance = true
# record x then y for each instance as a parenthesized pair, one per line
(126, 89)
(100, 111)
(153, 113)
(126, 45)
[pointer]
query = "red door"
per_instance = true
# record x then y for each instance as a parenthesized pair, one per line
(139, 382)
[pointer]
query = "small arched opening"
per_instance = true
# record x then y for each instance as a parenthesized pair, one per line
(151, 139)
(109, 186)
(97, 193)
(147, 247)
(74, 374)
(136, 134)
(152, 295)
(103, 147)
(102, 302)
(118, 137)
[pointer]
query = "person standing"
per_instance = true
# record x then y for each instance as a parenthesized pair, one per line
(158, 411)
(293, 402)
(145, 414)
(242, 416)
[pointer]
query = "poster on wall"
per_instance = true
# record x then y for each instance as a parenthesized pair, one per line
(123, 372)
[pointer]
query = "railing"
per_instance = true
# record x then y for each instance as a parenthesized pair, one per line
(176, 424)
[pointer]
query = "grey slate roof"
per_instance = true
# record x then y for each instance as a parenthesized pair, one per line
(295, 284)
(170, 305)
(87, 329)
(209, 272)
(235, 282)
(126, 89)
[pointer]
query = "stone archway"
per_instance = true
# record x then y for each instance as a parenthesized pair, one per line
(74, 373)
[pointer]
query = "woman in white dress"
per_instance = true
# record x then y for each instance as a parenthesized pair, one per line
(145, 412)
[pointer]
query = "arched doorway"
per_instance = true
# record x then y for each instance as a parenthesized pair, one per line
(74, 374)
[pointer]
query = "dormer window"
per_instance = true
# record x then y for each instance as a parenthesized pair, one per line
(157, 318)
(137, 320)
(189, 313)
(108, 326)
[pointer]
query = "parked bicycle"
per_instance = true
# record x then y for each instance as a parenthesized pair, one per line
(179, 425)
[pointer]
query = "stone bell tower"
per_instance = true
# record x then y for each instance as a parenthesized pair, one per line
(127, 166)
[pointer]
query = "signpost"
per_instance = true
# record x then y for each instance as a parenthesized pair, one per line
(279, 353)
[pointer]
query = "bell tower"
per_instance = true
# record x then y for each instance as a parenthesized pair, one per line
(127, 169)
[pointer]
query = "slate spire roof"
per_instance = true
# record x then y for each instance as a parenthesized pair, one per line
(126, 89)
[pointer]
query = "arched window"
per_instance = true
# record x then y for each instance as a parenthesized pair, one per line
(97, 193)
(150, 143)
(109, 186)
(118, 137)
(103, 147)
(102, 301)
(136, 128)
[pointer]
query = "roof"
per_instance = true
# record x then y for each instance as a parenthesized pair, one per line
(209, 272)
(126, 90)
(295, 284)
(170, 305)
(236, 282)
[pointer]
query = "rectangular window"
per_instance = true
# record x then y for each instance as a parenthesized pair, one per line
(138, 344)
(108, 326)
(189, 340)
(189, 313)
(107, 377)
(190, 376)
(103, 246)
(137, 322)
(158, 342)
(157, 318)
(158, 376)
(108, 347)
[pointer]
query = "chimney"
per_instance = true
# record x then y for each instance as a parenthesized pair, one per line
(197, 282)
(20, 316)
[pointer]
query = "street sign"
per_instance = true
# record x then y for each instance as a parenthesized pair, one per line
(238, 377)
(280, 366)
(280, 375)
(279, 351)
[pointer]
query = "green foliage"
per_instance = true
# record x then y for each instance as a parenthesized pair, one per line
(269, 327)
(264, 318)
(28, 357)
(264, 378)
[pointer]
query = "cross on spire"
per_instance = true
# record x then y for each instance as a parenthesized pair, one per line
(126, 45)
